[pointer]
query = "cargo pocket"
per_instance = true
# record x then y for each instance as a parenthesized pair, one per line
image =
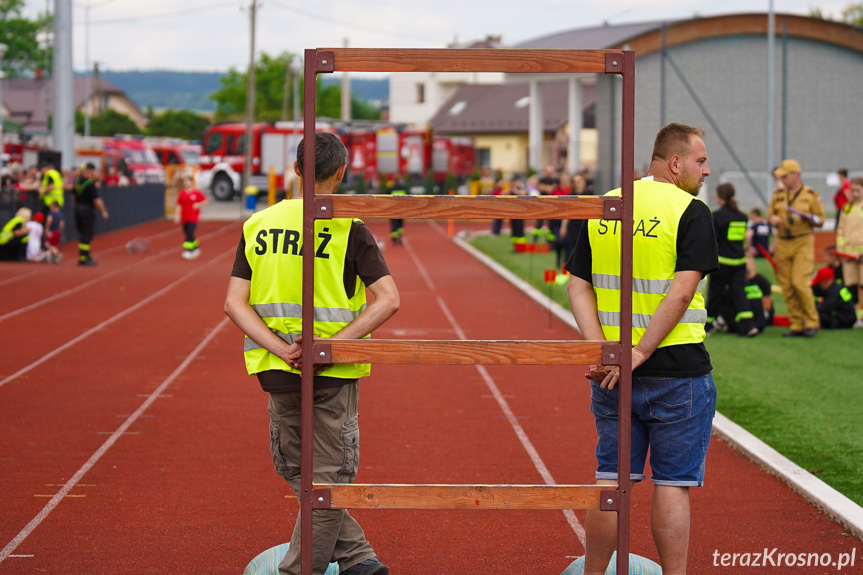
(279, 459)
(350, 437)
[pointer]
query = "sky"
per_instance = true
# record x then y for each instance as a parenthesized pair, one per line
(213, 35)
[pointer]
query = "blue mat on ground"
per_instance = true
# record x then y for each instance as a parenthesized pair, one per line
(267, 563)
(638, 565)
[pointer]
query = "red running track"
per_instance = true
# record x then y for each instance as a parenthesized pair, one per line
(131, 439)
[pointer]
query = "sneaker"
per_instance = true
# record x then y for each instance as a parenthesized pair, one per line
(371, 566)
(858, 323)
(751, 333)
(87, 262)
(196, 253)
(57, 259)
(187, 254)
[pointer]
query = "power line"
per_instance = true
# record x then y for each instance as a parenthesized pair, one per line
(169, 14)
(353, 25)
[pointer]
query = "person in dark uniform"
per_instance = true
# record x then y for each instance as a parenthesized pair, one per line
(87, 201)
(727, 283)
(759, 295)
(397, 225)
(833, 301)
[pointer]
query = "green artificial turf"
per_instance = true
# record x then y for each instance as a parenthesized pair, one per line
(801, 396)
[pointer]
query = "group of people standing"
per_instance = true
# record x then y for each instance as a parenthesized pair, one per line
(819, 301)
(36, 237)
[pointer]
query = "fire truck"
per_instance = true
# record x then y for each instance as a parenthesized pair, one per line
(173, 152)
(223, 157)
(139, 156)
(375, 151)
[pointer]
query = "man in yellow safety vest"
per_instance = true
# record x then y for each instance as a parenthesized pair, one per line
(264, 300)
(673, 395)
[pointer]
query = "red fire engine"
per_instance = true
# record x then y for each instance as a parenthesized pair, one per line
(374, 152)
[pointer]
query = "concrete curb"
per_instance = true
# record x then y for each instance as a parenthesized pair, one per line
(833, 503)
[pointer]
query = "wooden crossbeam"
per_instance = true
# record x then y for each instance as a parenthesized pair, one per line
(472, 60)
(466, 352)
(467, 207)
(394, 496)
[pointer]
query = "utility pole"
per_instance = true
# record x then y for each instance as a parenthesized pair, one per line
(250, 98)
(346, 93)
(771, 48)
(64, 116)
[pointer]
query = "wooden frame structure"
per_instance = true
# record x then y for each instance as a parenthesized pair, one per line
(532, 352)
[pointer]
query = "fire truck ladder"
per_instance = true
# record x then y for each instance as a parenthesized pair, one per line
(485, 352)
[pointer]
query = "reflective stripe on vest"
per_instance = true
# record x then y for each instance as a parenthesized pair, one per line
(657, 211)
(8, 231)
(753, 291)
(273, 249)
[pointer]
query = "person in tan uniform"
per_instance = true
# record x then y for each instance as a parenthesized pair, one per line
(795, 211)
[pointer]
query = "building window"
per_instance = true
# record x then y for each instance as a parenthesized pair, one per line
(483, 157)
(421, 93)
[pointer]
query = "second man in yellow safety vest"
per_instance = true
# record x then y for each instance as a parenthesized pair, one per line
(673, 395)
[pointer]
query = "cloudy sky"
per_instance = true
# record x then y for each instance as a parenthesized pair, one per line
(213, 35)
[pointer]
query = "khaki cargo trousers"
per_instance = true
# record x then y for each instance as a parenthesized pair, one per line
(337, 537)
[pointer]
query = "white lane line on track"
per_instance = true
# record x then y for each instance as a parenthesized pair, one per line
(56, 499)
(114, 318)
(84, 285)
(42, 269)
(534, 455)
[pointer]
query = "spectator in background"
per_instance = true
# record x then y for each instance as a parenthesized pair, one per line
(727, 284)
(516, 227)
(833, 301)
(189, 203)
(849, 240)
(54, 227)
(13, 236)
(758, 234)
(546, 185)
(87, 201)
(795, 211)
(498, 190)
(571, 228)
(843, 194)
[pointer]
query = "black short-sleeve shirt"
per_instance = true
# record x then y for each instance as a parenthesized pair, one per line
(696, 251)
(363, 259)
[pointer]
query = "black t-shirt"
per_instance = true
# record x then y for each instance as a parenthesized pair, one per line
(696, 251)
(363, 259)
(722, 219)
(85, 192)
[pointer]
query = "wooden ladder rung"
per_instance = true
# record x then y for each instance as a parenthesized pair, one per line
(465, 60)
(466, 207)
(466, 352)
(399, 496)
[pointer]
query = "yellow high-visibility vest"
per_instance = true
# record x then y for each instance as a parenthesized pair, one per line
(657, 211)
(55, 192)
(273, 249)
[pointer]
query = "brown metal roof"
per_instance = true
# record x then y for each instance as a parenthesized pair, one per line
(494, 109)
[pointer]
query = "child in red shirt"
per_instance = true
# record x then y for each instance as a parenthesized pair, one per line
(189, 204)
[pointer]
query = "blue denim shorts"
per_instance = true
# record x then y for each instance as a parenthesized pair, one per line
(671, 416)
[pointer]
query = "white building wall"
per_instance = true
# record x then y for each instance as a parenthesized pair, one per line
(438, 86)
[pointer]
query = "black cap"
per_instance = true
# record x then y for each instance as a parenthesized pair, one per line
(89, 166)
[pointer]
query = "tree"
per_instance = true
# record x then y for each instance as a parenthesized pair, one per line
(107, 123)
(178, 124)
(853, 14)
(270, 91)
(23, 53)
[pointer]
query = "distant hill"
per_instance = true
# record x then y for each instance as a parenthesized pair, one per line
(191, 90)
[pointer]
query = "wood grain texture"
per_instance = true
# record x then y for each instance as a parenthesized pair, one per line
(459, 352)
(463, 207)
(394, 496)
(468, 60)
